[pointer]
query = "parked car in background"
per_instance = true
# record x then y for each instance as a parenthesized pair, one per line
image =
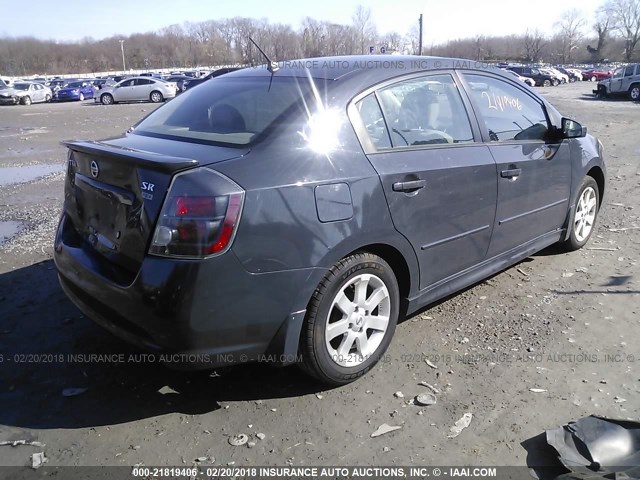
(571, 75)
(3, 85)
(179, 81)
(111, 81)
(151, 74)
(529, 81)
(25, 93)
(595, 75)
(216, 73)
(557, 77)
(57, 84)
(78, 90)
(138, 89)
(563, 77)
(98, 83)
(624, 81)
(542, 79)
(300, 214)
(576, 73)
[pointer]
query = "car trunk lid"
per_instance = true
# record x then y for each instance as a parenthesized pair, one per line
(113, 196)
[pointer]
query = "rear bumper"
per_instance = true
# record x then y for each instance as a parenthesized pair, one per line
(206, 314)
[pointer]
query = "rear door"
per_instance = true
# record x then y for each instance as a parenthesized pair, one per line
(534, 175)
(440, 185)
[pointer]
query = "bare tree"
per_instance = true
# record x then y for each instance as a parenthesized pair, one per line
(626, 21)
(533, 43)
(602, 27)
(393, 42)
(570, 27)
(365, 27)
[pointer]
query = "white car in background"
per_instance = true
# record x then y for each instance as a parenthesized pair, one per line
(529, 81)
(137, 89)
(559, 76)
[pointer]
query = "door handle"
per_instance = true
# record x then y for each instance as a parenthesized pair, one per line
(410, 186)
(513, 173)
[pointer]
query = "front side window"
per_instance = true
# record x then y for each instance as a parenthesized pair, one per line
(508, 112)
(127, 83)
(425, 111)
(618, 73)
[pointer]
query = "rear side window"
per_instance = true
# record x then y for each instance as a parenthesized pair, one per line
(371, 116)
(628, 71)
(508, 112)
(227, 110)
(425, 111)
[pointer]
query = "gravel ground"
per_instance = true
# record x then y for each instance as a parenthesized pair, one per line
(560, 324)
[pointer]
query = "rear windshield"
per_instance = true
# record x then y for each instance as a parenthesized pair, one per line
(228, 110)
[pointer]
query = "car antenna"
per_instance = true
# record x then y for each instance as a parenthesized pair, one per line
(272, 66)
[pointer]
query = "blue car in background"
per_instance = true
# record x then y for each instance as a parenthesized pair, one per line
(78, 90)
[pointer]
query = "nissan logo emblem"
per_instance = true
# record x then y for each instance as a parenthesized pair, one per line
(94, 169)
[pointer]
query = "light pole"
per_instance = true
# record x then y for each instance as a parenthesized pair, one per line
(420, 35)
(124, 68)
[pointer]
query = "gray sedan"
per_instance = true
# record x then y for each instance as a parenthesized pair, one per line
(137, 89)
(294, 215)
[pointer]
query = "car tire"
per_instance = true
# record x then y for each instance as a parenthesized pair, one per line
(585, 215)
(634, 92)
(81, 97)
(357, 282)
(47, 98)
(594, 78)
(556, 82)
(546, 83)
(106, 99)
(156, 97)
(25, 100)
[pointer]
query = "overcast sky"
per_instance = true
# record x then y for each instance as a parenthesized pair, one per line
(444, 20)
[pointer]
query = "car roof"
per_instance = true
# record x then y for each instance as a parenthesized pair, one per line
(377, 67)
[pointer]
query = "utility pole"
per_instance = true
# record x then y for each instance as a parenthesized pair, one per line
(420, 44)
(124, 68)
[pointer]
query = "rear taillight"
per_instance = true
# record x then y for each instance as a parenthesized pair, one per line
(199, 217)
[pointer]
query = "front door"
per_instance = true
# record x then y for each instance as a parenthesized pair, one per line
(440, 185)
(534, 174)
(124, 91)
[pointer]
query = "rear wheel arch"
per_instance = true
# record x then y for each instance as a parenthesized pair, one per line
(396, 261)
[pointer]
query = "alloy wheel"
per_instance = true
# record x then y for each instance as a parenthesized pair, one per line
(358, 320)
(585, 214)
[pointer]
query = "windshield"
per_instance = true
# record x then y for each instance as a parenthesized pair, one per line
(21, 86)
(74, 84)
(226, 110)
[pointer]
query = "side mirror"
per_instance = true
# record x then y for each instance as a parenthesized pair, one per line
(572, 129)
